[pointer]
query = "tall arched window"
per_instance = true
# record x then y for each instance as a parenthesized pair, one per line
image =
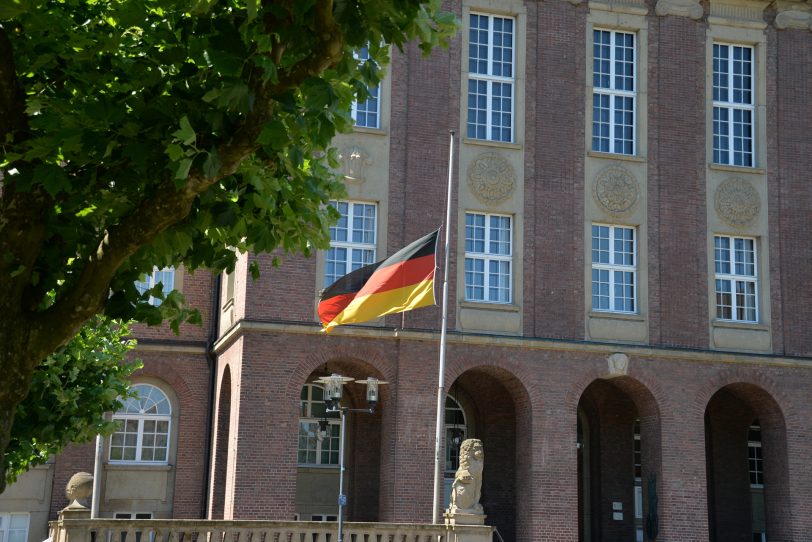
(318, 431)
(142, 432)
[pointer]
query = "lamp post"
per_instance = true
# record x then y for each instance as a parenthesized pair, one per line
(333, 388)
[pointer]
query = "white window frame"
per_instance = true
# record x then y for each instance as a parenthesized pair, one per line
(612, 267)
(158, 275)
(727, 155)
(368, 248)
(5, 525)
(753, 456)
(450, 468)
(490, 80)
(307, 419)
(733, 279)
(614, 93)
(370, 106)
(140, 418)
(487, 258)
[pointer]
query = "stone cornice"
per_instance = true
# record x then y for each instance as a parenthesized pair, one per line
(792, 15)
(244, 327)
(681, 8)
(745, 13)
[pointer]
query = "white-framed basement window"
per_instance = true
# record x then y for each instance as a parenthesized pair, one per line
(491, 77)
(733, 104)
(735, 262)
(614, 268)
(614, 91)
(488, 258)
(353, 239)
(143, 427)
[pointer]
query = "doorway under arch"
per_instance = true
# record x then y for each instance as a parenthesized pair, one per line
(497, 411)
(745, 453)
(618, 455)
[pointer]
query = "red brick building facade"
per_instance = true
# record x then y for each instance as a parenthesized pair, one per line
(629, 300)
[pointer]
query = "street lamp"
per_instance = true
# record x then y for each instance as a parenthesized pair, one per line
(333, 388)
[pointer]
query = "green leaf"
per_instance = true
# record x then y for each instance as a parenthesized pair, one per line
(52, 177)
(274, 134)
(182, 170)
(186, 133)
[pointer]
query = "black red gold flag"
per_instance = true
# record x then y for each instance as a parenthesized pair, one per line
(402, 282)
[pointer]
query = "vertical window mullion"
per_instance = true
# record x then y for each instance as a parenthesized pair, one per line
(488, 258)
(139, 439)
(612, 302)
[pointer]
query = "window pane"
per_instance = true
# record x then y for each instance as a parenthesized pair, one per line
(491, 73)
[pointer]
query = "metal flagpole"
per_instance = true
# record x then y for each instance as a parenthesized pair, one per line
(438, 435)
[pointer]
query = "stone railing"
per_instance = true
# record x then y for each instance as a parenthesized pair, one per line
(174, 530)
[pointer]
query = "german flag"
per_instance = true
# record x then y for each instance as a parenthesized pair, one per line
(402, 282)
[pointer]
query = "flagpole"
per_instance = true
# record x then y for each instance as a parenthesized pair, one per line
(438, 435)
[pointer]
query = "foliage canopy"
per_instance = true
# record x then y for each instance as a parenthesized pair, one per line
(141, 133)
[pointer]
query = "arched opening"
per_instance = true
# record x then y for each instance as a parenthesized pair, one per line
(618, 431)
(318, 467)
(495, 408)
(745, 451)
(459, 425)
(222, 432)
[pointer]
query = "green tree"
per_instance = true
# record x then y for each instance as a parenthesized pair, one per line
(71, 390)
(141, 133)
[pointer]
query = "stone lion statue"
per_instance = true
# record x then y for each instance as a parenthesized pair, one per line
(467, 487)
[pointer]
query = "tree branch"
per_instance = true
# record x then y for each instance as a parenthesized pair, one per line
(170, 205)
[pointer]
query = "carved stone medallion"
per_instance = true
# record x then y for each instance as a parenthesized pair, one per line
(354, 163)
(615, 190)
(737, 202)
(491, 177)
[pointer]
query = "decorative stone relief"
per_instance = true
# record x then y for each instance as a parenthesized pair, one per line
(491, 178)
(355, 160)
(618, 364)
(737, 202)
(682, 8)
(615, 190)
(467, 487)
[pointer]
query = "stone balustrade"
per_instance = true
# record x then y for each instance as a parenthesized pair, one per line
(157, 530)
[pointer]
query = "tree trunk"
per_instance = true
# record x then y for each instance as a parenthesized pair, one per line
(16, 368)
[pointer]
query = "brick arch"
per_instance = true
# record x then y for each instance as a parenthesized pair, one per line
(342, 356)
(503, 410)
(166, 374)
(743, 376)
(363, 473)
(220, 453)
(739, 398)
(638, 384)
(606, 406)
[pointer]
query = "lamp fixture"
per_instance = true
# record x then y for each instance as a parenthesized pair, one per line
(333, 388)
